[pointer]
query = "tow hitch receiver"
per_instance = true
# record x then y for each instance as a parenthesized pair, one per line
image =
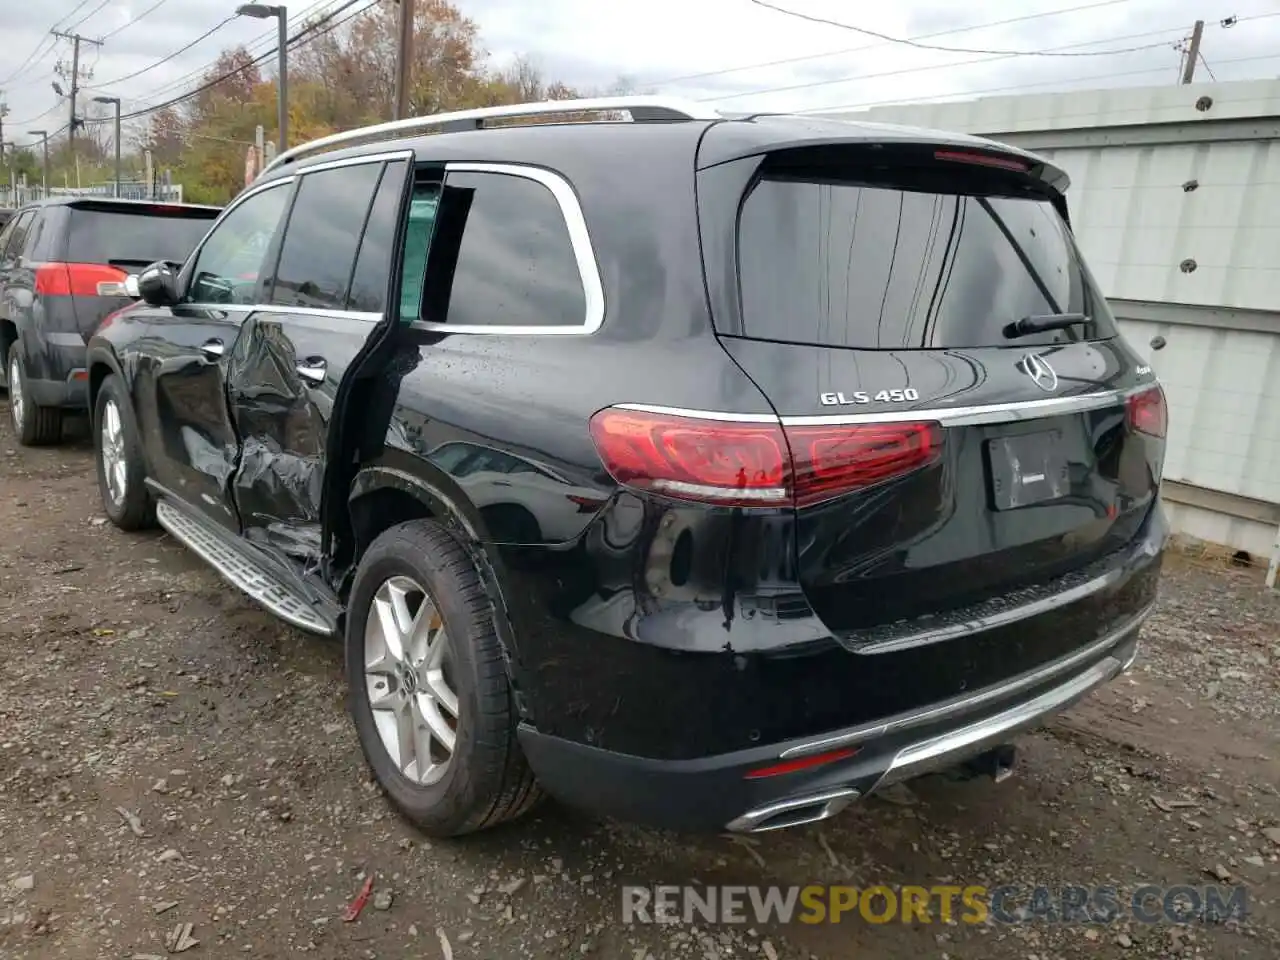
(996, 763)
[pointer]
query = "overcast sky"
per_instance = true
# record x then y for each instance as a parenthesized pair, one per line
(723, 51)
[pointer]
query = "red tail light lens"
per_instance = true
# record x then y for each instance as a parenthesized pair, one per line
(756, 464)
(1148, 412)
(743, 464)
(833, 460)
(80, 280)
(982, 160)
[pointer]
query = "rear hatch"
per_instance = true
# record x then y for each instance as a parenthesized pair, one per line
(952, 458)
(108, 240)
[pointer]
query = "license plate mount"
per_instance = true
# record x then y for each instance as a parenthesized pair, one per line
(1028, 469)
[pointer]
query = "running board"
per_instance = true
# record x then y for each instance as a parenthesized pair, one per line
(241, 571)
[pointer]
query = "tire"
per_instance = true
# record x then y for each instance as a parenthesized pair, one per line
(117, 448)
(484, 780)
(32, 425)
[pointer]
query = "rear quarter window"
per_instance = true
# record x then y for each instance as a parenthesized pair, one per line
(508, 248)
(851, 265)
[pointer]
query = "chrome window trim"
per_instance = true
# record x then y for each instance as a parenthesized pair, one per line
(384, 157)
(967, 702)
(1011, 412)
(278, 308)
(579, 239)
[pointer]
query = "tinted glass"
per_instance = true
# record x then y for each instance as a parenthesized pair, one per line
(875, 267)
(230, 263)
(515, 262)
(48, 228)
(373, 264)
(19, 235)
(422, 221)
(320, 240)
(5, 234)
(105, 235)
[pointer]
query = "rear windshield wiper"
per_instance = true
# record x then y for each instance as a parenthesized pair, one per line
(1052, 321)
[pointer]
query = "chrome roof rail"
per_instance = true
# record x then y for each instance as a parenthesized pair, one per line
(640, 108)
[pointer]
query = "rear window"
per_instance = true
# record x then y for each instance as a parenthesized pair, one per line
(870, 266)
(104, 235)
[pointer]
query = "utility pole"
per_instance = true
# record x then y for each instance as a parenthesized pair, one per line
(44, 169)
(116, 102)
(404, 62)
(1193, 52)
(76, 40)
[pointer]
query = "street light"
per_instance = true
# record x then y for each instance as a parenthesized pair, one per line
(116, 101)
(264, 11)
(44, 170)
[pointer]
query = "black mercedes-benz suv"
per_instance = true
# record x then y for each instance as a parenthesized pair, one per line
(708, 472)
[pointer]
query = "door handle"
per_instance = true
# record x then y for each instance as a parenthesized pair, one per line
(212, 349)
(312, 369)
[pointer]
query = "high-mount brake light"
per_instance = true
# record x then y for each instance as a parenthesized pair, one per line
(982, 160)
(80, 280)
(1148, 412)
(757, 464)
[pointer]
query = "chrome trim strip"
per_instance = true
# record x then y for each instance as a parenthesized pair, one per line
(579, 238)
(277, 308)
(833, 801)
(683, 109)
(698, 414)
(355, 161)
(972, 416)
(963, 704)
(948, 416)
(1005, 617)
(945, 749)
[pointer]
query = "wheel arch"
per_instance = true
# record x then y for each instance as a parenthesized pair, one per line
(383, 496)
(102, 363)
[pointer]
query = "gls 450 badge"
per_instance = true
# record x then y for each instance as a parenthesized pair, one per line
(862, 396)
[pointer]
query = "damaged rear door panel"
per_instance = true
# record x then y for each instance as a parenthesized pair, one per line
(325, 301)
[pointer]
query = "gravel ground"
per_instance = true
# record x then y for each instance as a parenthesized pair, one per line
(171, 755)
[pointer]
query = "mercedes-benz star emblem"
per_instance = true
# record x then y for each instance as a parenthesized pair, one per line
(1042, 375)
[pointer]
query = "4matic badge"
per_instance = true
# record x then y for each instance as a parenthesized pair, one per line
(862, 396)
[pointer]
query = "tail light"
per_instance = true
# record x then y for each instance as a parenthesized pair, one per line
(1148, 412)
(982, 160)
(756, 464)
(80, 280)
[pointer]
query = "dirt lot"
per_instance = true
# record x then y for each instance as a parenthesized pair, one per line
(135, 685)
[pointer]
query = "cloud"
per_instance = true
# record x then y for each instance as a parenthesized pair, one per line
(671, 46)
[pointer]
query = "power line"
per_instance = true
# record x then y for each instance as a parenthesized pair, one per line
(87, 16)
(1178, 31)
(1017, 86)
(309, 33)
(163, 60)
(256, 43)
(933, 46)
(36, 51)
(1208, 69)
(871, 46)
(129, 23)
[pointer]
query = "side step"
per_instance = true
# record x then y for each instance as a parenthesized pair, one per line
(241, 571)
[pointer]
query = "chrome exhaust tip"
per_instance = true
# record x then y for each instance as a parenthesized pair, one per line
(794, 812)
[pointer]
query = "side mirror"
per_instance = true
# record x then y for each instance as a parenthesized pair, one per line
(131, 286)
(158, 285)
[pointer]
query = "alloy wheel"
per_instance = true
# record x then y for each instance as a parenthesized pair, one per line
(408, 661)
(114, 467)
(16, 407)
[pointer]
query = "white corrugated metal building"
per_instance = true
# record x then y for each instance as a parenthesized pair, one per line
(1175, 198)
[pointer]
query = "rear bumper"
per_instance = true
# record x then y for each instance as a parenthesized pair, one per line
(57, 375)
(715, 793)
